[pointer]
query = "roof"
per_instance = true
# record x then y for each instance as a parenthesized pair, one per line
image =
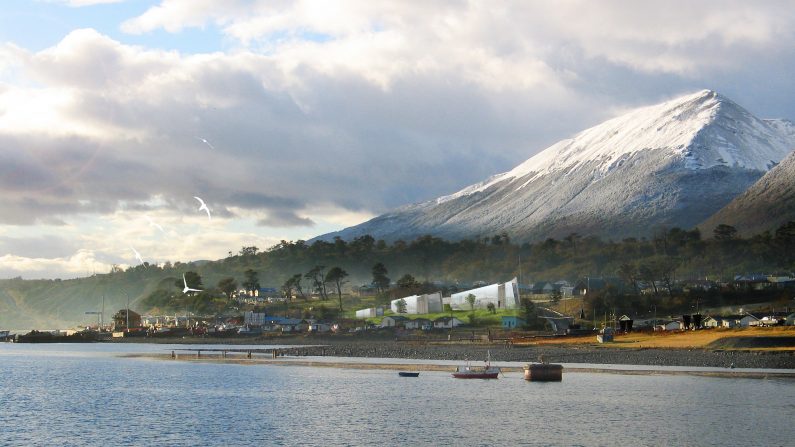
(445, 319)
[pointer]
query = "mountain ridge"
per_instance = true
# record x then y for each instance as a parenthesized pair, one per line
(767, 204)
(670, 164)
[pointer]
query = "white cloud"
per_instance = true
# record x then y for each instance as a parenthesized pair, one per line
(82, 263)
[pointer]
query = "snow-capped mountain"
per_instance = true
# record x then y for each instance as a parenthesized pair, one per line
(766, 205)
(671, 164)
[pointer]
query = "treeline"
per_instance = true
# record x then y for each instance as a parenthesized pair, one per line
(299, 268)
(670, 254)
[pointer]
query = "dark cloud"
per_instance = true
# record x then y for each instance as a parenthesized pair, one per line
(285, 219)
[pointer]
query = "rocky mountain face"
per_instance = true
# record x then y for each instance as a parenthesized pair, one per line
(766, 205)
(671, 164)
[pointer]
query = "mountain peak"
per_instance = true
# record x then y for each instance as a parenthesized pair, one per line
(671, 164)
(702, 130)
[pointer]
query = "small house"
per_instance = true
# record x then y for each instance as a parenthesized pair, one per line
(446, 323)
(711, 322)
(747, 320)
(418, 323)
(511, 322)
(318, 328)
(669, 326)
(605, 335)
(393, 321)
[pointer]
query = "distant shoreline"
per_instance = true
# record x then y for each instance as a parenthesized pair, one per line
(241, 358)
(477, 351)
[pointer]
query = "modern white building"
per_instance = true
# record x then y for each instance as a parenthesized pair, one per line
(420, 304)
(502, 295)
(366, 313)
(370, 312)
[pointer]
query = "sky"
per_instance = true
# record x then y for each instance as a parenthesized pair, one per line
(291, 119)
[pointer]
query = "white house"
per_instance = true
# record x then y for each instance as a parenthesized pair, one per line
(503, 296)
(393, 321)
(746, 320)
(420, 304)
(711, 322)
(447, 323)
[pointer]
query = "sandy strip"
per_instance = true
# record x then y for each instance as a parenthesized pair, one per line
(242, 359)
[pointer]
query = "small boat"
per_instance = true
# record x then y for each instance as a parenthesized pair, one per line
(477, 372)
(408, 374)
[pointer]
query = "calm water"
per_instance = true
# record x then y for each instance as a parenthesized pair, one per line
(83, 395)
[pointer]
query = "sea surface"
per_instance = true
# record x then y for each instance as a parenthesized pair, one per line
(85, 394)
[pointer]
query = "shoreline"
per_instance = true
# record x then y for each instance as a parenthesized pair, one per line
(390, 347)
(241, 358)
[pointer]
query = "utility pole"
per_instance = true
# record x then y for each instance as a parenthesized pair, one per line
(128, 312)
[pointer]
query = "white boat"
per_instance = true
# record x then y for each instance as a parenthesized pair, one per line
(477, 372)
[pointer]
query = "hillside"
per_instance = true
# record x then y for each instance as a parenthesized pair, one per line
(675, 253)
(669, 165)
(765, 206)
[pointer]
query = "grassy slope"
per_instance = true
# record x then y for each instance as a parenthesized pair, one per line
(703, 339)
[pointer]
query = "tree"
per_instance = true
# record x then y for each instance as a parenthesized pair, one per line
(252, 280)
(248, 251)
(629, 273)
(556, 296)
(572, 239)
(337, 276)
(228, 287)
(295, 282)
(407, 282)
(287, 288)
(401, 306)
(317, 275)
(380, 280)
(471, 300)
(491, 308)
(529, 314)
(724, 232)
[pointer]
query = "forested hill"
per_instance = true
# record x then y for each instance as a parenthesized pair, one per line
(671, 253)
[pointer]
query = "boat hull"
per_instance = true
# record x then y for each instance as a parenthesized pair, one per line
(489, 375)
(408, 374)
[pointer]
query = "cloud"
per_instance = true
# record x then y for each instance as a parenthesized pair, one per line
(83, 262)
(321, 112)
(45, 246)
(285, 219)
(112, 124)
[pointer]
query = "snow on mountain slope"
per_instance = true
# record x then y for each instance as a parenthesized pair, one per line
(766, 205)
(680, 125)
(672, 164)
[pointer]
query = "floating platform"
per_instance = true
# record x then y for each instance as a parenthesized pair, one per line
(408, 374)
(543, 372)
